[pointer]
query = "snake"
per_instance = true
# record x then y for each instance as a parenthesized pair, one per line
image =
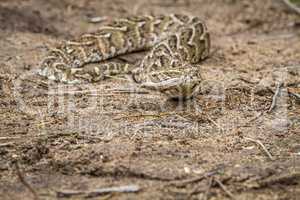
(175, 44)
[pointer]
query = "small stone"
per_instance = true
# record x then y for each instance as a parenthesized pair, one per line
(97, 19)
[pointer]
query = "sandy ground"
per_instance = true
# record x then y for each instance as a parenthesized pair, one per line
(238, 139)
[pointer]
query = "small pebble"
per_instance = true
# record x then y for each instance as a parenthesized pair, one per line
(97, 19)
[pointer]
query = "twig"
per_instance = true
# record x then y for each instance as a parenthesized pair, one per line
(73, 92)
(208, 188)
(288, 178)
(101, 191)
(292, 6)
(24, 182)
(129, 91)
(142, 115)
(205, 190)
(274, 101)
(39, 83)
(87, 94)
(6, 144)
(167, 125)
(262, 146)
(10, 138)
(197, 179)
(222, 186)
(68, 193)
(121, 189)
(96, 92)
(215, 123)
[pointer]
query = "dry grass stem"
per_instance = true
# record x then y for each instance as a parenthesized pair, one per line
(262, 146)
(292, 6)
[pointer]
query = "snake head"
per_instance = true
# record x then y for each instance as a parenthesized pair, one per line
(176, 84)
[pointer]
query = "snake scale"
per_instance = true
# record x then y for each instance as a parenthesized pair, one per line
(176, 43)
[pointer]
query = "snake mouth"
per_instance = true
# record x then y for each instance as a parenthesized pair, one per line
(162, 84)
(176, 88)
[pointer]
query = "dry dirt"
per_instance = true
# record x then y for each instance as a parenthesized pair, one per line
(56, 138)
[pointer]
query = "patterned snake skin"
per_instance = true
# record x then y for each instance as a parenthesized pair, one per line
(176, 43)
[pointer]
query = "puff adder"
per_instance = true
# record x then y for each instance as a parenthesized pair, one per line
(176, 43)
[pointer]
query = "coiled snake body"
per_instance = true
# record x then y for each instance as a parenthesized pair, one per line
(176, 43)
